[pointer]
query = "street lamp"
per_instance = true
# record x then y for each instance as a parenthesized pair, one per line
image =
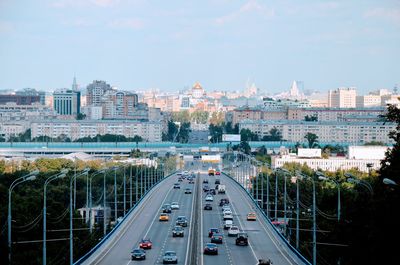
(59, 175)
(352, 179)
(71, 240)
(28, 177)
(321, 176)
(388, 181)
(90, 198)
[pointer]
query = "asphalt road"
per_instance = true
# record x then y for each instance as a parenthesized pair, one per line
(145, 224)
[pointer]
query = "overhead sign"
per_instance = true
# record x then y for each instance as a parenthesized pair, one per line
(308, 152)
(231, 137)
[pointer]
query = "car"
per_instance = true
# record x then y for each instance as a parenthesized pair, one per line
(138, 253)
(177, 231)
(212, 231)
(170, 257)
(233, 231)
(223, 201)
(185, 173)
(206, 188)
(181, 221)
(212, 192)
(226, 211)
(251, 216)
(217, 181)
(226, 207)
(211, 249)
(177, 186)
(207, 206)
(145, 244)
(179, 173)
(180, 180)
(242, 239)
(188, 191)
(174, 206)
(217, 173)
(228, 224)
(167, 208)
(163, 217)
(209, 198)
(264, 262)
(228, 217)
(191, 181)
(217, 238)
(205, 181)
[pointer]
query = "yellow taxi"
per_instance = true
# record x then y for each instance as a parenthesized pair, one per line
(163, 217)
(251, 217)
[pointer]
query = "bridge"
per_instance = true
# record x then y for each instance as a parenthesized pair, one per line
(265, 242)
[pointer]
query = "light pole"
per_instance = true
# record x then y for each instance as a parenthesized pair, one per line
(284, 173)
(124, 176)
(115, 194)
(60, 175)
(71, 233)
(352, 179)
(28, 177)
(321, 176)
(388, 181)
(90, 198)
(130, 186)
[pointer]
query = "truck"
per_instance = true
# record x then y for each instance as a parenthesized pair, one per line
(211, 171)
(221, 189)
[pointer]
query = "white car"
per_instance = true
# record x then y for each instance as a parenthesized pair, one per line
(228, 217)
(233, 231)
(226, 207)
(228, 224)
(174, 206)
(209, 198)
(227, 211)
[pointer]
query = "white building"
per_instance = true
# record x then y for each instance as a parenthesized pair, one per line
(13, 112)
(343, 97)
(327, 131)
(362, 158)
(8, 129)
(96, 214)
(149, 131)
(368, 101)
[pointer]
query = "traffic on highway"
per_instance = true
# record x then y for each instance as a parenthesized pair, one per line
(196, 216)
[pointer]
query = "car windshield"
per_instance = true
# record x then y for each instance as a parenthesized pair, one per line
(178, 228)
(170, 254)
(214, 230)
(209, 245)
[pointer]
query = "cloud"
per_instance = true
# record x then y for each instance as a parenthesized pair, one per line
(251, 6)
(127, 23)
(85, 3)
(392, 15)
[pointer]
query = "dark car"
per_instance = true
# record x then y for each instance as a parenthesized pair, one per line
(180, 179)
(211, 249)
(217, 238)
(177, 186)
(212, 191)
(178, 231)
(242, 239)
(264, 262)
(206, 188)
(145, 244)
(167, 208)
(217, 181)
(207, 206)
(205, 181)
(181, 221)
(188, 191)
(138, 253)
(212, 231)
(223, 201)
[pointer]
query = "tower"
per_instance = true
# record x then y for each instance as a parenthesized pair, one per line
(74, 85)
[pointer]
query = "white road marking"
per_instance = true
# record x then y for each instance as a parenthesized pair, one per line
(191, 221)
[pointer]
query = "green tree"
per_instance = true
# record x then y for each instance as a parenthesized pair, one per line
(231, 130)
(81, 116)
(216, 132)
(181, 116)
(311, 118)
(199, 116)
(184, 131)
(248, 135)
(217, 118)
(312, 140)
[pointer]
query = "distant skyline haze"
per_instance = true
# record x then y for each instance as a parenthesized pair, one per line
(169, 45)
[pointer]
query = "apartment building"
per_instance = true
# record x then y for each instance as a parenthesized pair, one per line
(13, 112)
(149, 131)
(334, 114)
(343, 97)
(327, 131)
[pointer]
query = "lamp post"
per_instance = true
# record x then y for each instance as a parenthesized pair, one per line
(28, 177)
(60, 175)
(90, 198)
(130, 186)
(71, 233)
(321, 176)
(352, 179)
(388, 181)
(115, 194)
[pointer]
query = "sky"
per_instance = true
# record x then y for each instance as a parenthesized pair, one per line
(169, 45)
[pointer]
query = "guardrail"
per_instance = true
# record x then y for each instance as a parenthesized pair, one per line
(115, 228)
(295, 251)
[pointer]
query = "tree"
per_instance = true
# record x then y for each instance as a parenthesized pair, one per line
(312, 140)
(231, 130)
(217, 118)
(245, 147)
(248, 135)
(311, 118)
(181, 116)
(183, 134)
(172, 131)
(137, 138)
(199, 116)
(81, 116)
(216, 132)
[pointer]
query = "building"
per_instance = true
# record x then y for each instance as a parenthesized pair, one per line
(96, 214)
(390, 99)
(270, 103)
(327, 131)
(149, 131)
(335, 114)
(36, 111)
(368, 101)
(198, 91)
(343, 97)
(67, 102)
(8, 129)
(19, 99)
(119, 104)
(33, 92)
(363, 158)
(95, 91)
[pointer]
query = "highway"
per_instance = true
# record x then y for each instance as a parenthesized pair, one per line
(144, 223)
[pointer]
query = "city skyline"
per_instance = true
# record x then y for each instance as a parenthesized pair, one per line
(137, 45)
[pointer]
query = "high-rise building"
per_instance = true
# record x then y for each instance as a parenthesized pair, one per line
(95, 91)
(67, 102)
(31, 92)
(118, 104)
(343, 97)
